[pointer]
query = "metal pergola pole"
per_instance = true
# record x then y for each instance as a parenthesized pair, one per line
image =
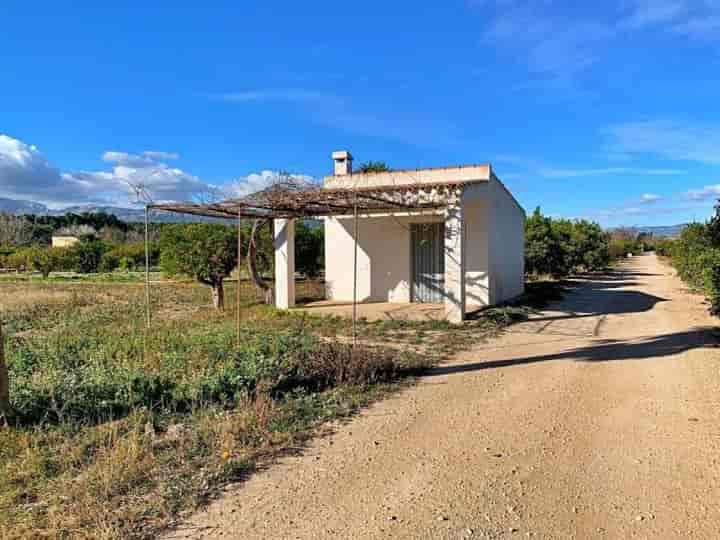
(355, 257)
(147, 267)
(238, 295)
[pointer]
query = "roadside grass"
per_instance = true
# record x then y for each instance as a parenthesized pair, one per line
(117, 432)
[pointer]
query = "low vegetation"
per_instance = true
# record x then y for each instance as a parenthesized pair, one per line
(115, 430)
(696, 256)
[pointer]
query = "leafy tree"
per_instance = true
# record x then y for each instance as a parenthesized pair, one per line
(309, 246)
(374, 167)
(131, 256)
(543, 253)
(18, 259)
(204, 251)
(86, 256)
(559, 247)
(45, 259)
(591, 245)
(713, 227)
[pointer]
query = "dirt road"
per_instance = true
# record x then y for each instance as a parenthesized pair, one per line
(599, 418)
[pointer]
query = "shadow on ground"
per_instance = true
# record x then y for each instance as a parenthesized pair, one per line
(605, 351)
(598, 295)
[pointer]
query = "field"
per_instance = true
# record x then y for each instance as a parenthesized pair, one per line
(116, 431)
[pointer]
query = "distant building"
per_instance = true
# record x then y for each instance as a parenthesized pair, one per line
(64, 241)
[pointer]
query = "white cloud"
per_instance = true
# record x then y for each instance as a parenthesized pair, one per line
(26, 174)
(24, 170)
(149, 158)
(426, 130)
(161, 156)
(552, 45)
(699, 27)
(607, 171)
(258, 181)
(693, 18)
(561, 47)
(705, 193)
(650, 12)
(650, 198)
(666, 139)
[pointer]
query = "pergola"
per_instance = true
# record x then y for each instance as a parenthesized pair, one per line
(289, 200)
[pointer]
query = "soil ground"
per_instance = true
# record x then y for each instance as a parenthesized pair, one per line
(598, 418)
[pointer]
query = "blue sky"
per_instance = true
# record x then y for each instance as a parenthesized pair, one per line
(605, 110)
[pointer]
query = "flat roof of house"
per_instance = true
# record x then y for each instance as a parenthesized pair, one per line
(462, 174)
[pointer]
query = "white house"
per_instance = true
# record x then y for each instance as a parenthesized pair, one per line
(466, 252)
(64, 240)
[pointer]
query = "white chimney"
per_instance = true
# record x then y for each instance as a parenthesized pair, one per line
(343, 163)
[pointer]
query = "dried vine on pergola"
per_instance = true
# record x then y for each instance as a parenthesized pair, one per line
(290, 198)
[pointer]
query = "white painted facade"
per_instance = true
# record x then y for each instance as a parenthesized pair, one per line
(483, 242)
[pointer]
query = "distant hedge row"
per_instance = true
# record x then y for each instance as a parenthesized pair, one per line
(93, 254)
(86, 257)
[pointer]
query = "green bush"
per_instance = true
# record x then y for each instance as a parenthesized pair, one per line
(131, 257)
(619, 248)
(85, 256)
(108, 262)
(559, 247)
(664, 247)
(18, 259)
(45, 259)
(696, 256)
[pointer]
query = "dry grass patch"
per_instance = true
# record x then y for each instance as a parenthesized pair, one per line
(117, 431)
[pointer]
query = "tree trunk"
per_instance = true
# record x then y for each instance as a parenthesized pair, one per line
(218, 295)
(4, 381)
(252, 263)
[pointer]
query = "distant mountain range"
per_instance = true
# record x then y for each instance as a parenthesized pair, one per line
(129, 215)
(669, 231)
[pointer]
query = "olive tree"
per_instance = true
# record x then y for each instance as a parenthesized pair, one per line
(204, 251)
(45, 260)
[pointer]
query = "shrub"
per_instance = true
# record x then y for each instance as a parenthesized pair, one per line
(18, 259)
(543, 253)
(619, 248)
(45, 260)
(664, 247)
(108, 262)
(132, 256)
(559, 247)
(86, 256)
(696, 256)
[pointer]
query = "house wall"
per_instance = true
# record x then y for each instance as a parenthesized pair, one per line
(507, 243)
(493, 248)
(64, 241)
(384, 270)
(477, 245)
